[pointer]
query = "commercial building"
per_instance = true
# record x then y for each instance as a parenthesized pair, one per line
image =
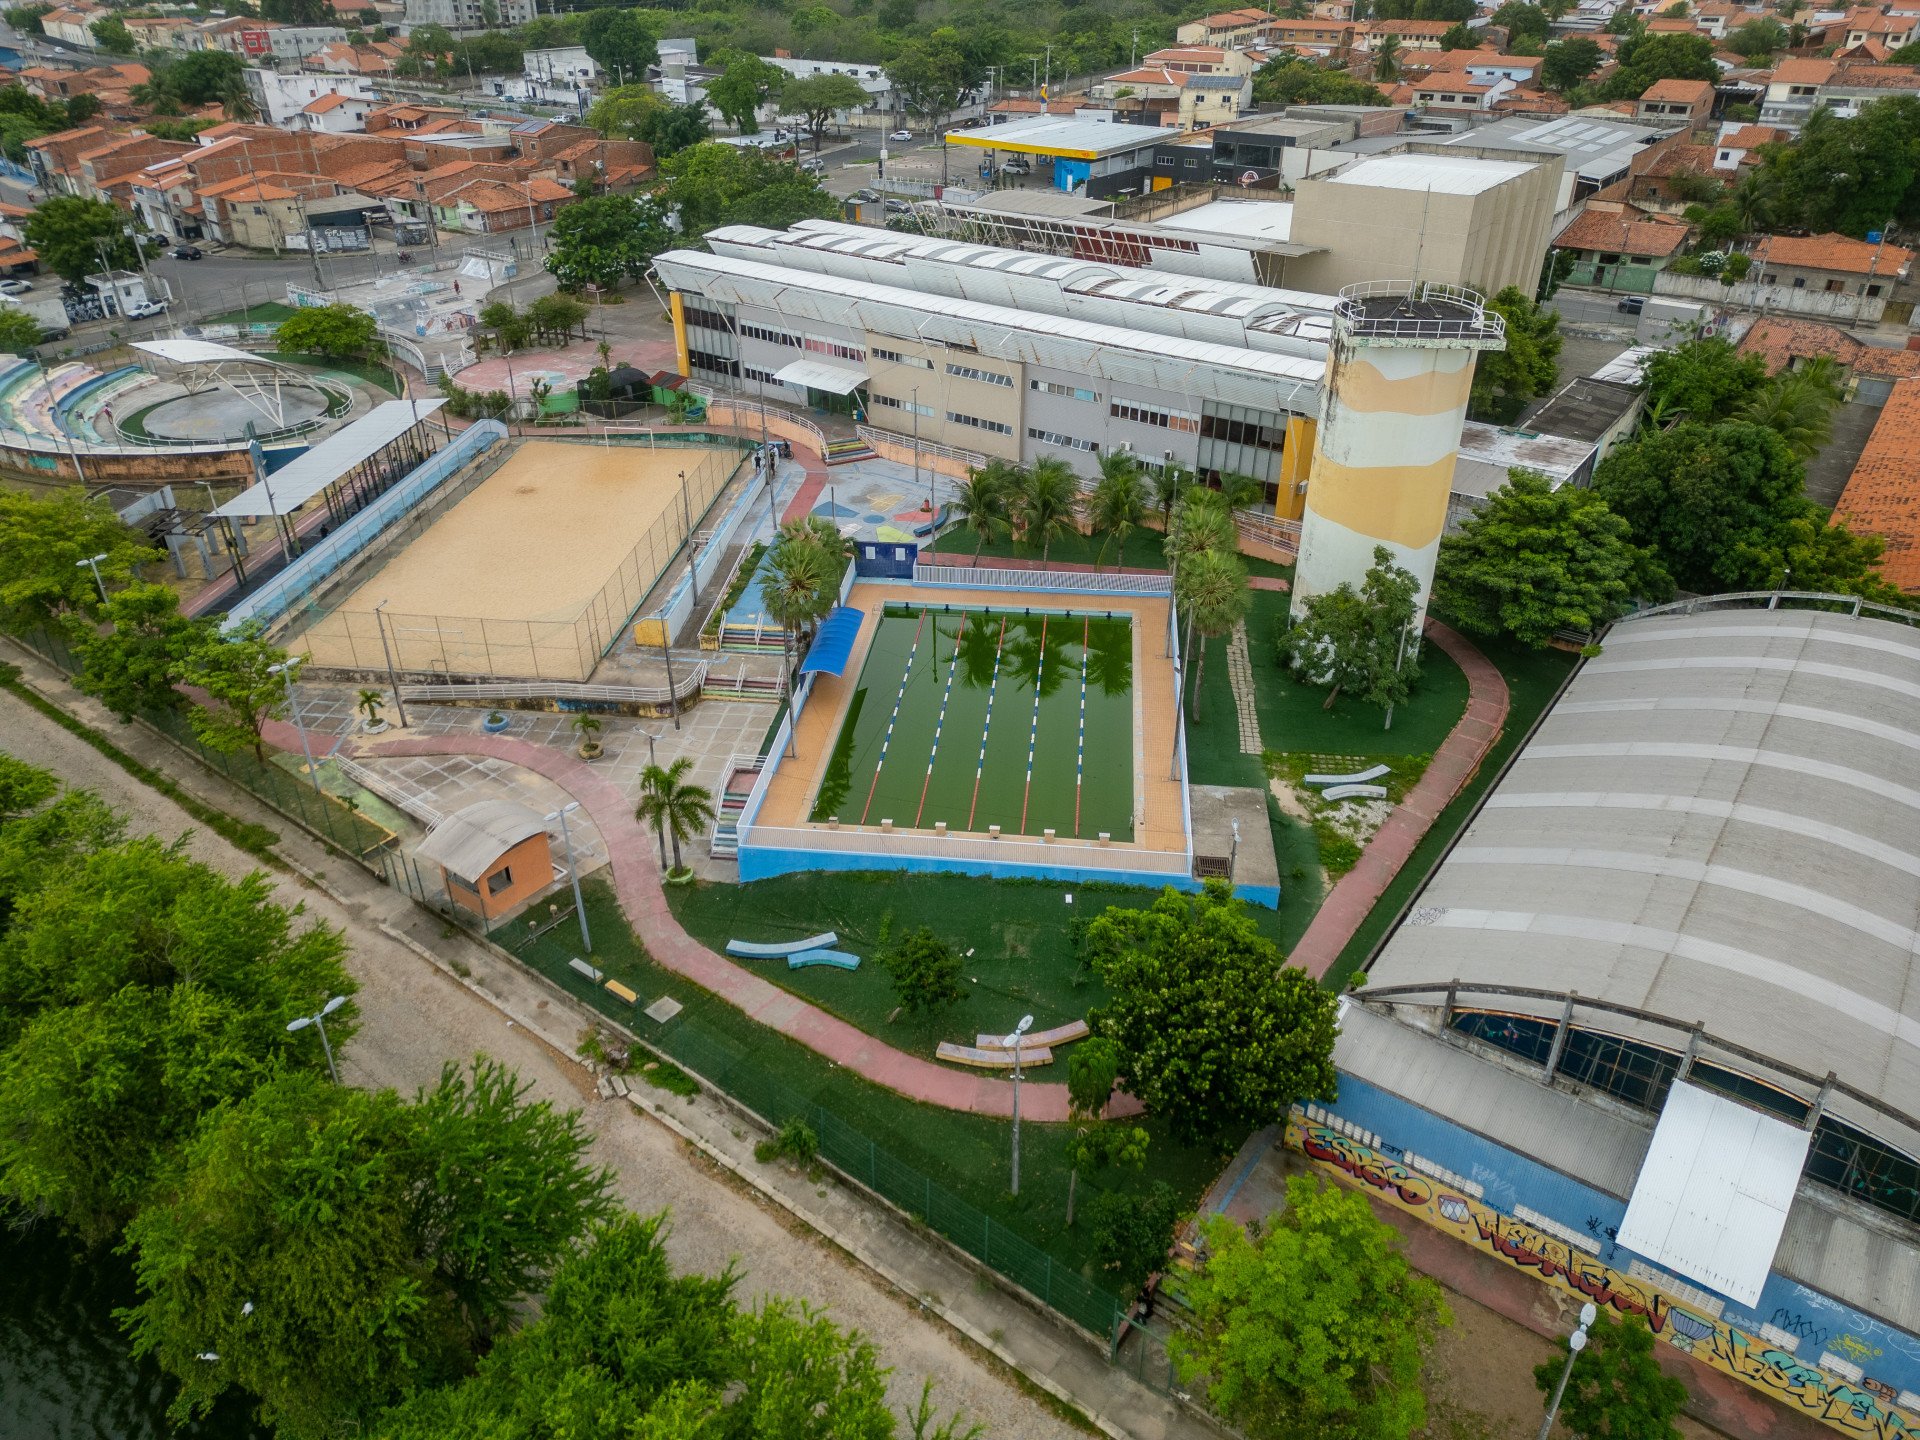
(280, 98)
(1004, 353)
(1650, 1036)
(470, 14)
(1594, 152)
(1096, 158)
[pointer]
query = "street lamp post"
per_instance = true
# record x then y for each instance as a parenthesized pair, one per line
(92, 562)
(319, 1021)
(285, 670)
(393, 677)
(1576, 1342)
(573, 871)
(693, 543)
(1012, 1042)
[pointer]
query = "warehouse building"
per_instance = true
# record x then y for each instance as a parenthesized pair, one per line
(1651, 1034)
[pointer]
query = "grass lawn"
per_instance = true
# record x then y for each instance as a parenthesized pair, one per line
(1533, 678)
(1023, 961)
(359, 369)
(1143, 550)
(271, 312)
(967, 1155)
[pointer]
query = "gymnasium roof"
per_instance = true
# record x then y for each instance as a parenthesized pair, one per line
(1719, 822)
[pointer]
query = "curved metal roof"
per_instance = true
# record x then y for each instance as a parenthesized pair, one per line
(1719, 822)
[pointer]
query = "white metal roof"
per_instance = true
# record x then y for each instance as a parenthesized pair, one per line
(819, 375)
(1056, 135)
(193, 352)
(468, 842)
(1712, 1198)
(1441, 174)
(307, 475)
(1253, 219)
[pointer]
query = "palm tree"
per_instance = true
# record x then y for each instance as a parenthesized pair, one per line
(1752, 200)
(1798, 405)
(1241, 492)
(1213, 587)
(1044, 507)
(1386, 58)
(1198, 527)
(1118, 500)
(981, 503)
(369, 704)
(238, 103)
(673, 809)
(1169, 482)
(797, 589)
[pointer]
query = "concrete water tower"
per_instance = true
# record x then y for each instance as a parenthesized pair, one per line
(1395, 396)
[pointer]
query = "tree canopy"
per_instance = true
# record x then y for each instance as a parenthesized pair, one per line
(77, 237)
(711, 185)
(1505, 380)
(744, 84)
(1535, 560)
(1853, 175)
(45, 542)
(1617, 1390)
(337, 332)
(606, 240)
(1317, 1328)
(1359, 642)
(1291, 80)
(816, 99)
(1216, 1031)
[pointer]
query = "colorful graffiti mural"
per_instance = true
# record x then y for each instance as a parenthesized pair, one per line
(1863, 1410)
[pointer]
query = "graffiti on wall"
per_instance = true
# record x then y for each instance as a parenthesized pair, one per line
(1865, 1410)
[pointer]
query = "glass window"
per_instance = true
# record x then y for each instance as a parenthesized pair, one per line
(1852, 1161)
(501, 879)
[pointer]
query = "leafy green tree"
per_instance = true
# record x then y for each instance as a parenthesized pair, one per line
(1505, 380)
(203, 77)
(1093, 1067)
(73, 234)
(928, 76)
(1851, 175)
(1131, 1234)
(619, 44)
(26, 18)
(1212, 588)
(622, 111)
(19, 332)
(1808, 553)
(816, 99)
(711, 185)
(1521, 21)
(336, 1250)
(1216, 1032)
(1701, 379)
(1118, 502)
(139, 991)
(1460, 37)
(1645, 59)
(928, 974)
(1359, 642)
(1317, 1328)
(1043, 507)
(1291, 80)
(1798, 405)
(675, 807)
(1617, 1390)
(336, 332)
(110, 33)
(130, 668)
(1569, 62)
(45, 542)
(744, 84)
(1757, 39)
(1536, 560)
(296, 12)
(23, 787)
(235, 669)
(1695, 494)
(40, 842)
(669, 129)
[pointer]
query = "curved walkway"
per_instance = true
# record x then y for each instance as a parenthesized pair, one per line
(637, 883)
(1453, 765)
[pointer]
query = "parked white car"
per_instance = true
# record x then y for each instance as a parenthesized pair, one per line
(901, 135)
(145, 309)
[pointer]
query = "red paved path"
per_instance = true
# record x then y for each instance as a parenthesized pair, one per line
(637, 882)
(1452, 766)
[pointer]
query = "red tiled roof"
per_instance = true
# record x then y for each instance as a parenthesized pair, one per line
(1882, 496)
(1752, 137)
(1684, 92)
(1625, 231)
(1832, 252)
(1779, 341)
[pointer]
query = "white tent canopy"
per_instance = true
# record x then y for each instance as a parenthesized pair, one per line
(330, 460)
(818, 375)
(195, 352)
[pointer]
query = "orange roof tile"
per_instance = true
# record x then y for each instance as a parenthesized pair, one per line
(1882, 496)
(1832, 252)
(1751, 137)
(1611, 228)
(1779, 341)
(1682, 92)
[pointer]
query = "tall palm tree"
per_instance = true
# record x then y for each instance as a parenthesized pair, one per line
(1798, 405)
(981, 503)
(1386, 58)
(1213, 587)
(1241, 492)
(1118, 502)
(1198, 527)
(672, 808)
(796, 590)
(1044, 506)
(1169, 482)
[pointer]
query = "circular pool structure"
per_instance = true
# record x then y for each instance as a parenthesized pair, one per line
(222, 415)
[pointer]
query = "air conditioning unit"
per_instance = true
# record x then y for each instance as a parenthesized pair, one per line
(1167, 455)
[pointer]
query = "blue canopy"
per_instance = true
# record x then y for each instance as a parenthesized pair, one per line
(833, 642)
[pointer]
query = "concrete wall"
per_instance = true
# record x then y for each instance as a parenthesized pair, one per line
(1782, 299)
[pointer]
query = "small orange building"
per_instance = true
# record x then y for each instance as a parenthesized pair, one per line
(494, 857)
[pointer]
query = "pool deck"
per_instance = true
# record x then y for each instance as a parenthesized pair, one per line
(1159, 817)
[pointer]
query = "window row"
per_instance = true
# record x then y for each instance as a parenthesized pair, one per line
(977, 423)
(764, 377)
(1066, 442)
(907, 405)
(894, 357)
(718, 364)
(985, 377)
(1165, 419)
(819, 345)
(1070, 392)
(708, 319)
(772, 337)
(1243, 432)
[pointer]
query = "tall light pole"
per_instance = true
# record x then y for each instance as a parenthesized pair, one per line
(573, 871)
(393, 677)
(319, 1021)
(693, 545)
(1012, 1042)
(285, 670)
(92, 562)
(1576, 1342)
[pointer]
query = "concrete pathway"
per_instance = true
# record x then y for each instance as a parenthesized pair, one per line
(1240, 677)
(637, 882)
(1453, 765)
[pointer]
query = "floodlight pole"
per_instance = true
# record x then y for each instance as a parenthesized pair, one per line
(92, 562)
(573, 871)
(319, 1020)
(1576, 1342)
(1013, 1042)
(693, 545)
(285, 671)
(666, 654)
(393, 677)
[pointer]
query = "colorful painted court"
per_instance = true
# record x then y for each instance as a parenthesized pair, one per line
(974, 718)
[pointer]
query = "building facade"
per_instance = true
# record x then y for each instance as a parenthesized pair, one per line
(470, 14)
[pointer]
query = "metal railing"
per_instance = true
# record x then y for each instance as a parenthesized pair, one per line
(1118, 859)
(756, 410)
(1826, 602)
(972, 459)
(1476, 324)
(1090, 582)
(396, 795)
(568, 690)
(1267, 529)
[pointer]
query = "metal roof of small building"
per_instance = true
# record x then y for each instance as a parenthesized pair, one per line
(469, 842)
(1075, 139)
(1718, 822)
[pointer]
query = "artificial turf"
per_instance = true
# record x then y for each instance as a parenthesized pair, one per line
(1143, 549)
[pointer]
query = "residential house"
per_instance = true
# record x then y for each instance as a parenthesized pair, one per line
(107, 171)
(248, 38)
(373, 60)
(72, 24)
(155, 32)
(279, 99)
(1620, 246)
(1740, 144)
(1669, 179)
(409, 116)
(470, 14)
(1183, 100)
(1718, 18)
(1882, 496)
(1484, 67)
(55, 158)
(1869, 371)
(1201, 60)
(1832, 264)
(1843, 86)
(1676, 102)
(1453, 90)
(1317, 36)
(336, 114)
(1229, 27)
(1411, 34)
(101, 81)
(490, 207)
(614, 166)
(1884, 31)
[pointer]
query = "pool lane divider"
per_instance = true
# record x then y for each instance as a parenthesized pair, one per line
(1033, 732)
(1080, 751)
(986, 725)
(940, 723)
(894, 719)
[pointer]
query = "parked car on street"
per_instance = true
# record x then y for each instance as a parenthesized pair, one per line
(144, 309)
(186, 252)
(901, 135)
(14, 287)
(814, 167)
(898, 207)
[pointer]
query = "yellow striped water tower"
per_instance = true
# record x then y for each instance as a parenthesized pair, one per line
(1398, 374)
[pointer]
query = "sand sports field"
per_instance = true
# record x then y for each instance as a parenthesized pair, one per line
(533, 572)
